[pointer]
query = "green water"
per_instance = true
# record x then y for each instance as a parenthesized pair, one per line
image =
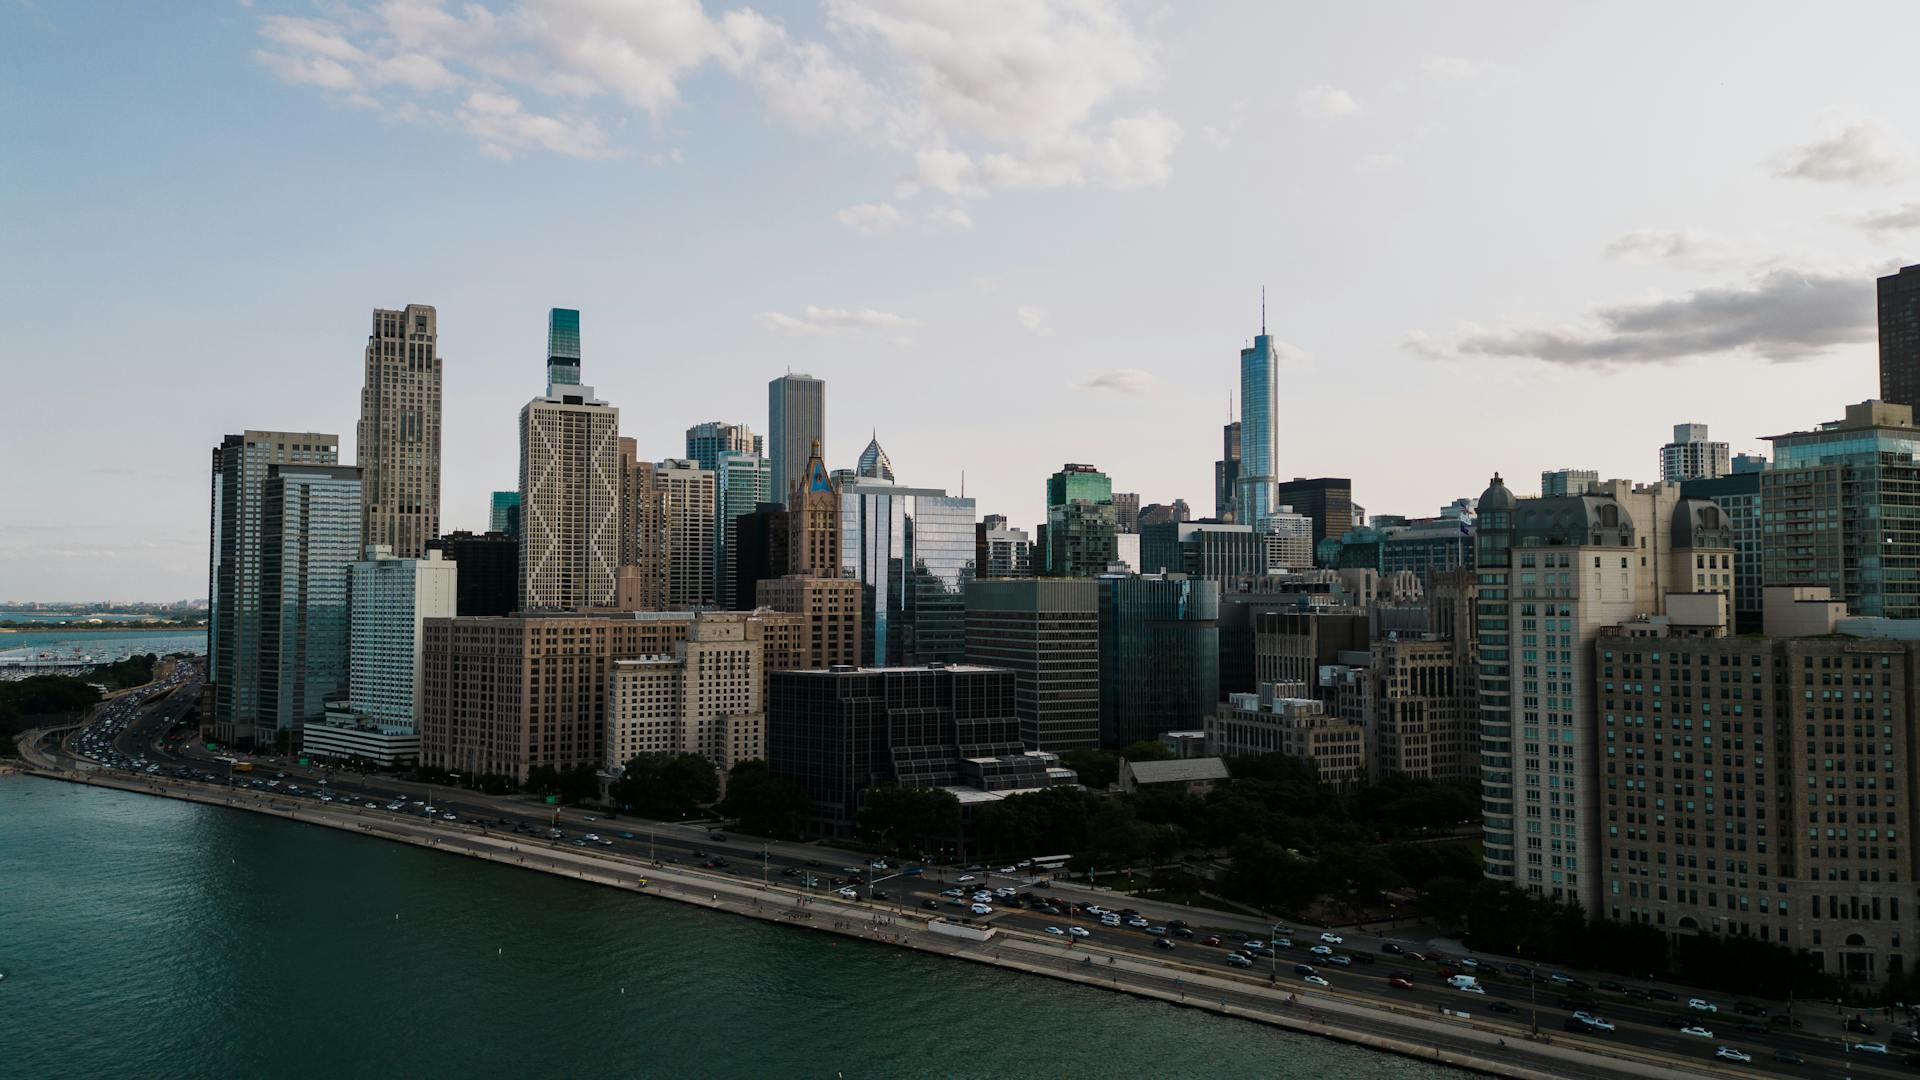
(142, 937)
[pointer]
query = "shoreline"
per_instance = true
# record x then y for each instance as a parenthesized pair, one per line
(1454, 1041)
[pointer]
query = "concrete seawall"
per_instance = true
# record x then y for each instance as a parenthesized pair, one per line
(1452, 1040)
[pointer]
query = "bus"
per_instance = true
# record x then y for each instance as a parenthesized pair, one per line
(1051, 864)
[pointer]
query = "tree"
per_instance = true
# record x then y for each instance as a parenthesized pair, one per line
(667, 785)
(914, 818)
(1098, 769)
(1147, 750)
(765, 804)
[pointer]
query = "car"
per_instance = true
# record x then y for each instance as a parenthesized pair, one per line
(1391, 949)
(594, 836)
(1859, 1026)
(1321, 950)
(1314, 980)
(1008, 870)
(629, 836)
(448, 817)
(1079, 932)
(1609, 985)
(1675, 1022)
(1471, 988)
(1637, 993)
(1702, 1005)
(877, 894)
(1237, 960)
(1664, 995)
(1502, 1008)
(1753, 1028)
(1340, 960)
(1595, 1021)
(1176, 924)
(964, 878)
(1304, 969)
(878, 864)
(1157, 931)
(1213, 941)
(1870, 1048)
(1163, 943)
(1056, 931)
(1521, 970)
(981, 909)
(849, 892)
(914, 871)
(1748, 1008)
(932, 905)
(1788, 1057)
(1696, 1031)
(1282, 943)
(1332, 938)
(1906, 1038)
(1183, 931)
(954, 892)
(1469, 962)
(1399, 983)
(1575, 1024)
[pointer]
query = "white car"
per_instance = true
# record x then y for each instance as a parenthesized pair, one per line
(878, 864)
(1871, 1048)
(1314, 980)
(1703, 1005)
(1591, 1020)
(1332, 938)
(1728, 1053)
(1321, 950)
(1079, 932)
(1007, 870)
(849, 893)
(1697, 1031)
(964, 878)
(1476, 988)
(1056, 931)
(982, 909)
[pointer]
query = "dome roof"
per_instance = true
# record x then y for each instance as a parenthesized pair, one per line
(1496, 497)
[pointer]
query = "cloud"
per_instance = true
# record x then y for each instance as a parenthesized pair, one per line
(503, 125)
(1323, 102)
(971, 97)
(1779, 316)
(871, 219)
(1883, 223)
(948, 218)
(819, 322)
(1450, 68)
(1688, 249)
(1034, 319)
(1860, 151)
(1130, 381)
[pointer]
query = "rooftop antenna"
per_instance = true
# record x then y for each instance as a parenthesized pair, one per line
(1263, 310)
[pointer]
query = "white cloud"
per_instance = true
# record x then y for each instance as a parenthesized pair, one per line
(1884, 223)
(1131, 381)
(1450, 68)
(871, 219)
(976, 97)
(1688, 249)
(1856, 150)
(948, 218)
(1779, 316)
(1323, 102)
(1034, 318)
(819, 322)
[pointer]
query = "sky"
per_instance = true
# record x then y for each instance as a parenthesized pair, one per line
(1009, 234)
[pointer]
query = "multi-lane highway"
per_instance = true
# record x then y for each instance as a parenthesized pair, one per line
(133, 733)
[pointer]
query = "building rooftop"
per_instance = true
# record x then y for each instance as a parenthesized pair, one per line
(1183, 771)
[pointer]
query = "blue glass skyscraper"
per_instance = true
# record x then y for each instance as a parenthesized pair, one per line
(1259, 401)
(563, 347)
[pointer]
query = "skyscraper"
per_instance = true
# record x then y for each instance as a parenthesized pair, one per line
(741, 482)
(687, 520)
(570, 484)
(310, 536)
(1047, 632)
(235, 606)
(1159, 655)
(912, 551)
(503, 514)
(1692, 456)
(1226, 472)
(563, 348)
(796, 423)
(488, 578)
(1259, 448)
(814, 522)
(1081, 523)
(1126, 511)
(398, 440)
(1328, 500)
(1899, 299)
(707, 442)
(643, 540)
(874, 462)
(390, 598)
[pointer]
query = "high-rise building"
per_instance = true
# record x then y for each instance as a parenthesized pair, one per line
(310, 533)
(1328, 500)
(1287, 541)
(236, 608)
(1749, 463)
(741, 482)
(503, 513)
(842, 732)
(1738, 494)
(1126, 511)
(829, 611)
(687, 515)
(813, 523)
(1203, 549)
(1254, 496)
(1167, 513)
(1693, 456)
(1841, 508)
(1559, 483)
(563, 349)
(1815, 706)
(1159, 655)
(911, 549)
(1000, 551)
(708, 442)
(1553, 573)
(707, 697)
(570, 488)
(1421, 721)
(1047, 632)
(397, 445)
(390, 598)
(488, 579)
(1271, 722)
(796, 423)
(1899, 303)
(643, 533)
(759, 543)
(1081, 523)
(1226, 473)
(874, 463)
(502, 696)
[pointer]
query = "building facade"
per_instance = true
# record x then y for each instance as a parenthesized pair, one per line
(1328, 500)
(570, 498)
(796, 423)
(1738, 495)
(1159, 655)
(1898, 296)
(707, 443)
(911, 549)
(687, 516)
(1081, 523)
(1226, 473)
(741, 482)
(1269, 722)
(310, 533)
(1001, 551)
(563, 350)
(397, 445)
(236, 608)
(503, 513)
(1047, 632)
(1421, 721)
(874, 462)
(1255, 494)
(1693, 456)
(389, 599)
(707, 697)
(1558, 483)
(829, 613)
(488, 578)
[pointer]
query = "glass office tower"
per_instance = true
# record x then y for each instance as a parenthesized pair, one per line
(310, 538)
(563, 347)
(1259, 402)
(913, 550)
(1159, 655)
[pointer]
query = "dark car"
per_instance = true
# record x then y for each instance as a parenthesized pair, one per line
(1162, 943)
(1906, 1038)
(1664, 995)
(1752, 1028)
(1391, 949)
(1577, 1003)
(1176, 924)
(1304, 969)
(1636, 993)
(1501, 1007)
(1748, 1008)
(1606, 984)
(933, 905)
(1676, 1022)
(1182, 931)
(1859, 1026)
(1783, 1020)
(1788, 1057)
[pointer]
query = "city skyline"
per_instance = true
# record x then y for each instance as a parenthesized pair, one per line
(1757, 248)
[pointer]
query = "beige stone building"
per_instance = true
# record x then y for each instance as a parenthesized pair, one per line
(397, 444)
(828, 613)
(643, 570)
(1269, 722)
(1420, 720)
(707, 697)
(570, 501)
(1761, 786)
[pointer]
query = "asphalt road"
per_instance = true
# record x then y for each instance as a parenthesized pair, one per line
(136, 725)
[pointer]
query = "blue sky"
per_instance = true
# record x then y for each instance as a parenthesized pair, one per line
(1008, 235)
